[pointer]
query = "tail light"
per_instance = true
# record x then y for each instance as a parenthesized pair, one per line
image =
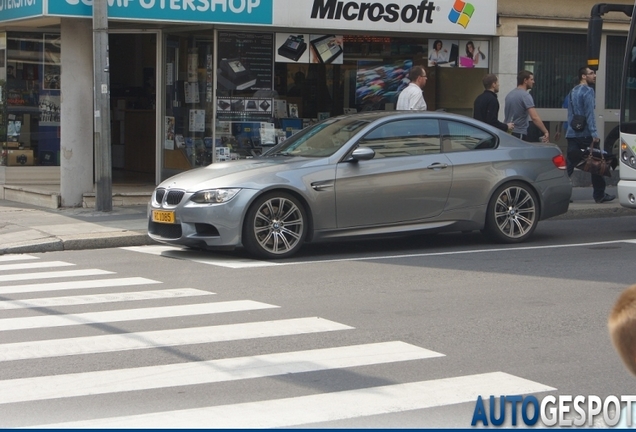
(559, 161)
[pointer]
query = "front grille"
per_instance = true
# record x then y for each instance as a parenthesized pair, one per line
(159, 193)
(174, 197)
(171, 231)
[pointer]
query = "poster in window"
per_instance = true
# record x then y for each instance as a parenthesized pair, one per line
(49, 107)
(191, 91)
(442, 52)
(169, 138)
(326, 49)
(473, 54)
(193, 65)
(245, 62)
(197, 120)
(52, 62)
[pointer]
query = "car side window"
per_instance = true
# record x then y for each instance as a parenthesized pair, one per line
(412, 137)
(459, 136)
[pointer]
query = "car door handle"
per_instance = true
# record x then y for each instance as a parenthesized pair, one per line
(437, 165)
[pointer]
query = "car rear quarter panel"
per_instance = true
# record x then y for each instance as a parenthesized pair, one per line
(477, 174)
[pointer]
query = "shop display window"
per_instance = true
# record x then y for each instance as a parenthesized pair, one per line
(189, 100)
(30, 111)
(272, 85)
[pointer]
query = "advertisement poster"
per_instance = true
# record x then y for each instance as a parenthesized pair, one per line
(197, 120)
(245, 62)
(326, 49)
(379, 83)
(292, 48)
(442, 52)
(473, 54)
(52, 62)
(169, 138)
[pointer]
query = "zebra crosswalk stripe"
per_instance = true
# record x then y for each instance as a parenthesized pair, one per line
(89, 299)
(205, 372)
(221, 261)
(327, 407)
(53, 274)
(35, 265)
(87, 284)
(17, 257)
(130, 315)
(163, 338)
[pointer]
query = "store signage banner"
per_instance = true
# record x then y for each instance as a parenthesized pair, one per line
(471, 17)
(16, 9)
(203, 11)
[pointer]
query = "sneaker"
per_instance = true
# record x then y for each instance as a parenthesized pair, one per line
(605, 198)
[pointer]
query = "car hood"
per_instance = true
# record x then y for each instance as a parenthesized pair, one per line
(247, 173)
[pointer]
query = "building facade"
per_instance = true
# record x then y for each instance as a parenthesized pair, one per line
(195, 82)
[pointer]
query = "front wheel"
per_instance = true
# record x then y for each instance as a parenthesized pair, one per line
(275, 226)
(513, 213)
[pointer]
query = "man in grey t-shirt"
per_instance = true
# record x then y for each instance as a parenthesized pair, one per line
(520, 108)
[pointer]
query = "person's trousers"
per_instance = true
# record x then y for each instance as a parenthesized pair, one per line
(521, 136)
(575, 155)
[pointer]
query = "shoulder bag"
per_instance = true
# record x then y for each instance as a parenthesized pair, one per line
(595, 163)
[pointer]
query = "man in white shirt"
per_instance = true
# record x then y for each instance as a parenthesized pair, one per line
(411, 98)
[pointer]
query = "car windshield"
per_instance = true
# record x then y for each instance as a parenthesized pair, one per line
(320, 140)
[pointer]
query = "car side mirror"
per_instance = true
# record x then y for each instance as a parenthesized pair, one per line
(362, 153)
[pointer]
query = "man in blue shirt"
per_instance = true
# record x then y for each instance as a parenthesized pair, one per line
(582, 102)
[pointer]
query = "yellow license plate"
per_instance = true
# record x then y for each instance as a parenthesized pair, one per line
(163, 216)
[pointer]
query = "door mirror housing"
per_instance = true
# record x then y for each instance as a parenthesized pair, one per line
(362, 153)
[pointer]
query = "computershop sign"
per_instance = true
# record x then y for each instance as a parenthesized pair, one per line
(203, 11)
(472, 17)
(17, 9)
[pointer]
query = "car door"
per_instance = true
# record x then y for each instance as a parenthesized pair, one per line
(475, 156)
(407, 180)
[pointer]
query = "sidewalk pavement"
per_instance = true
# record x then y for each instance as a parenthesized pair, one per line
(26, 228)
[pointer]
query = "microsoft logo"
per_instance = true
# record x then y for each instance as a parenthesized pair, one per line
(461, 13)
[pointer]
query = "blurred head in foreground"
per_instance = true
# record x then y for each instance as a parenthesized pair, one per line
(622, 327)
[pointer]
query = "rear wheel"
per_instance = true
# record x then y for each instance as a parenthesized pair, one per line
(275, 226)
(513, 213)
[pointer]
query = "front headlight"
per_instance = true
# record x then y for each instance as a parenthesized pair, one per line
(214, 196)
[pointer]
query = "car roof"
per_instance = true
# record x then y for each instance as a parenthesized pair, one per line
(374, 115)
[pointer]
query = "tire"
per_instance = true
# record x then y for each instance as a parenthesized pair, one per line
(513, 213)
(275, 226)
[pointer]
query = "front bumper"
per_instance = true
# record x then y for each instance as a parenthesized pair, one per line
(202, 225)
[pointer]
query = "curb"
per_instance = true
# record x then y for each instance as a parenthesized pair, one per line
(115, 239)
(67, 243)
(585, 213)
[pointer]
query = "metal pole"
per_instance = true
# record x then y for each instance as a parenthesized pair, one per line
(101, 97)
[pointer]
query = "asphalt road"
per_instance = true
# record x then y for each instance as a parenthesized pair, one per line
(511, 319)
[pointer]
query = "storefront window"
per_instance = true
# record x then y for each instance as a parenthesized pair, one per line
(30, 130)
(272, 85)
(554, 58)
(187, 140)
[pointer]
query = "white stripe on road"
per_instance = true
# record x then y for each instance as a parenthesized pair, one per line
(201, 258)
(205, 372)
(59, 286)
(54, 274)
(31, 266)
(165, 338)
(101, 298)
(242, 263)
(326, 407)
(89, 318)
(5, 258)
